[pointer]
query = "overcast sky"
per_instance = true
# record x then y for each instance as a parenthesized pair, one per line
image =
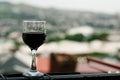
(107, 6)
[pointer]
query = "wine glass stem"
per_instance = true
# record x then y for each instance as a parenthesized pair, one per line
(33, 65)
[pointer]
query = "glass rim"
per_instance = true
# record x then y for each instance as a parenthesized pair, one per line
(34, 21)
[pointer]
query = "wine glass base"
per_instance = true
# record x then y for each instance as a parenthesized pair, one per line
(33, 73)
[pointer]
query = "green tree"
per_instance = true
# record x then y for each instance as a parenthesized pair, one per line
(75, 37)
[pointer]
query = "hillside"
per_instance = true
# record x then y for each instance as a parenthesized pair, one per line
(11, 16)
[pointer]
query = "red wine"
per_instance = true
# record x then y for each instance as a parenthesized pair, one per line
(33, 39)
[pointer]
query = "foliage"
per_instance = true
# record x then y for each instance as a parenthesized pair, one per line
(55, 37)
(98, 54)
(75, 37)
(97, 36)
(17, 43)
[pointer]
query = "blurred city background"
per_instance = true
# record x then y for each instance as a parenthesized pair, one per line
(75, 29)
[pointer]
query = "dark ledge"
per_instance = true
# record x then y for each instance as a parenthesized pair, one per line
(66, 76)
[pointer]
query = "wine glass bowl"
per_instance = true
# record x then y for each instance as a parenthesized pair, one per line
(33, 36)
(33, 39)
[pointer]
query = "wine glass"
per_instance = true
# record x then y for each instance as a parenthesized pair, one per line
(33, 36)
